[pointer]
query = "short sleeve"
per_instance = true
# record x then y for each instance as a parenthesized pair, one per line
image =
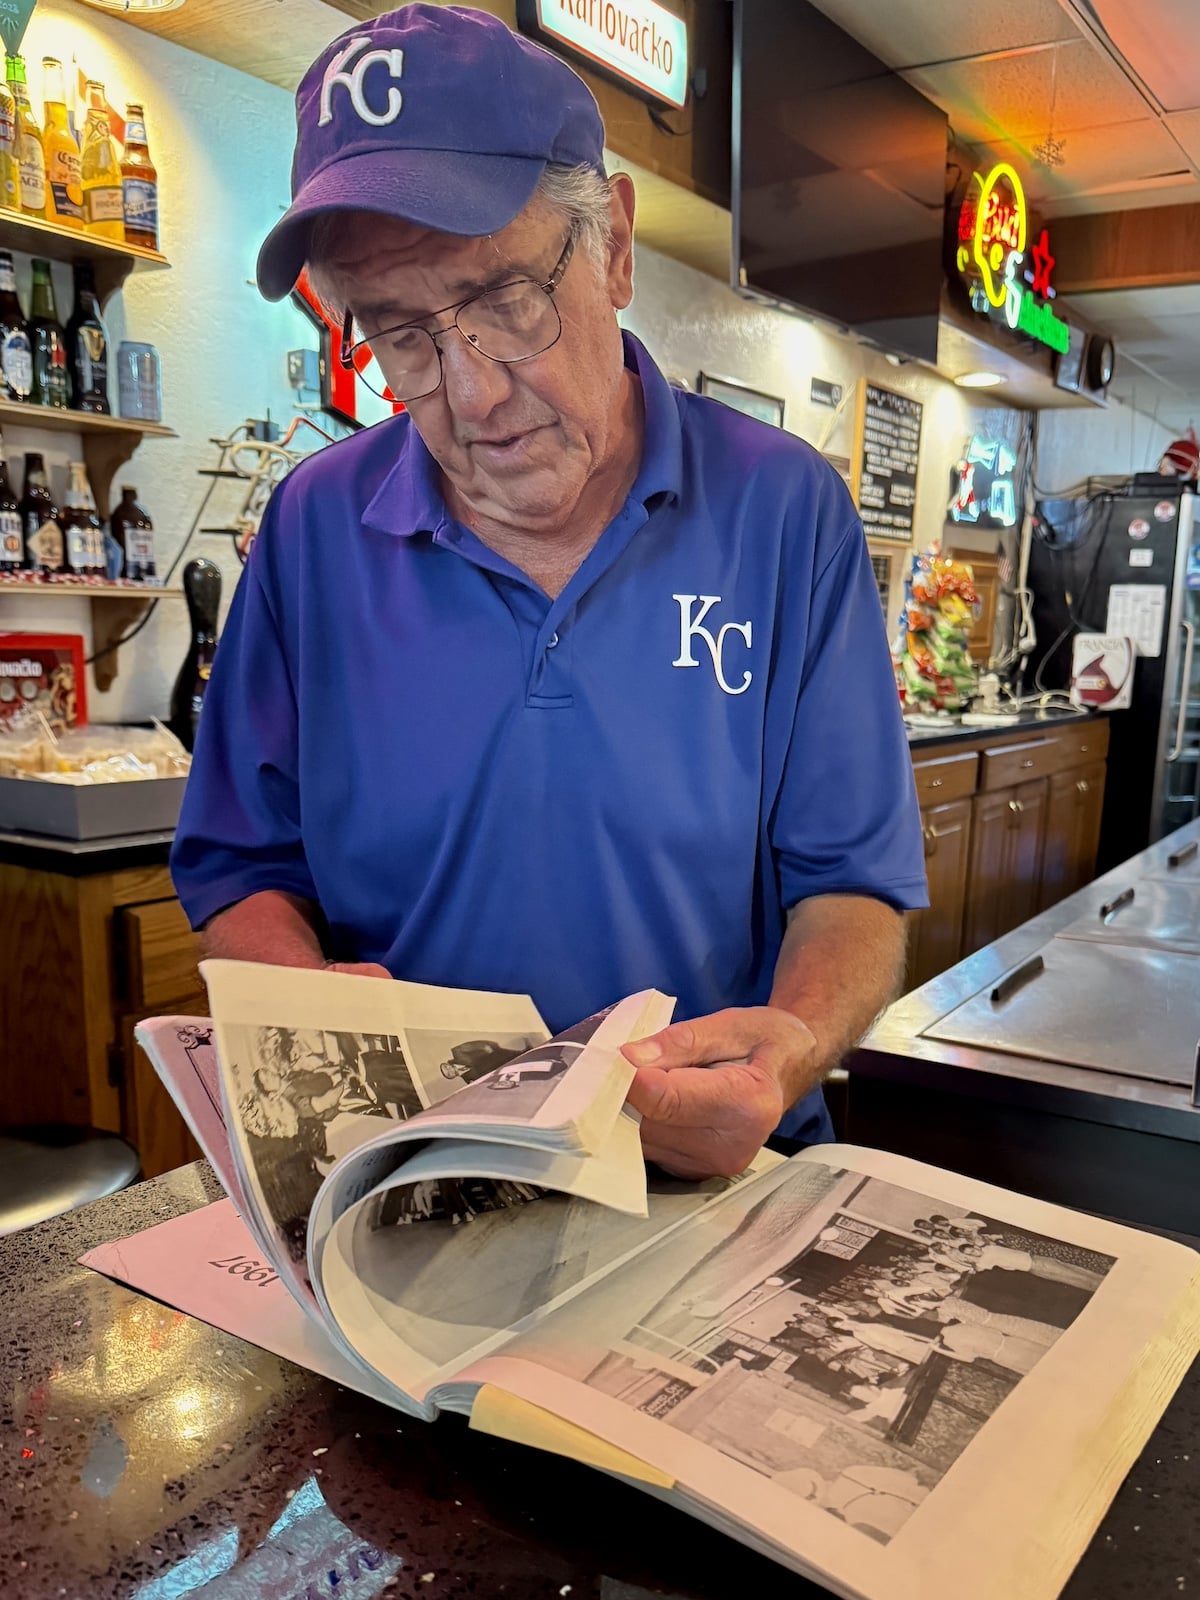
(239, 829)
(846, 818)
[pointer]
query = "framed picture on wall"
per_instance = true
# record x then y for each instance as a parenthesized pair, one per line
(753, 402)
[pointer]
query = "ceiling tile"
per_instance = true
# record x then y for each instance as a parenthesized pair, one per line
(1104, 159)
(1011, 98)
(908, 33)
(1151, 192)
(1185, 127)
(1160, 39)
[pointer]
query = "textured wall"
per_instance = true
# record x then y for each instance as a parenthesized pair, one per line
(692, 323)
(222, 143)
(1078, 444)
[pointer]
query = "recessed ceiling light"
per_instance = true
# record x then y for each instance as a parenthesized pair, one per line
(135, 5)
(980, 380)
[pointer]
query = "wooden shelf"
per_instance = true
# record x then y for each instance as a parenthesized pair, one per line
(36, 237)
(59, 421)
(93, 591)
(114, 611)
(111, 262)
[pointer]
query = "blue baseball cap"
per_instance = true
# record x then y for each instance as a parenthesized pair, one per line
(438, 115)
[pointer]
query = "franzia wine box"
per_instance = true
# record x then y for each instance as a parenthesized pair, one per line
(42, 672)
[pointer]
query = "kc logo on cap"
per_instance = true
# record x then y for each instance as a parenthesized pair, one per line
(352, 80)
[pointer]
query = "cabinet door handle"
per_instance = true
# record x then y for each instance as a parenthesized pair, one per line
(936, 783)
(931, 841)
(1083, 786)
(1028, 762)
(1083, 749)
(1015, 807)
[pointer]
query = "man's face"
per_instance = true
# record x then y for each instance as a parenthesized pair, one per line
(516, 443)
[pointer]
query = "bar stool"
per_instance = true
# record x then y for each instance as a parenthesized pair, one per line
(49, 1169)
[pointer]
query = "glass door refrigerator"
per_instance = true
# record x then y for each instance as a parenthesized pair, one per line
(1129, 562)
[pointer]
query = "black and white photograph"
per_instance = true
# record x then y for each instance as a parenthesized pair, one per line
(444, 1062)
(851, 1349)
(509, 1076)
(306, 1096)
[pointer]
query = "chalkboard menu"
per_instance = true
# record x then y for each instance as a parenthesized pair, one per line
(887, 442)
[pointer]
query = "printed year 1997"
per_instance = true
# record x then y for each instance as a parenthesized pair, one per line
(247, 1267)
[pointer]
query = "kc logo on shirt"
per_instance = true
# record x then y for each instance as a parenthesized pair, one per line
(691, 627)
(351, 79)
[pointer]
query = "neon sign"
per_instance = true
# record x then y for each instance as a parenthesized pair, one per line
(340, 389)
(993, 235)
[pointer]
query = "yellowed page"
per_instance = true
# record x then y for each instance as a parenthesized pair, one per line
(968, 1451)
(509, 1418)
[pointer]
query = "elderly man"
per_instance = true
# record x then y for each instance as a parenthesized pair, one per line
(564, 682)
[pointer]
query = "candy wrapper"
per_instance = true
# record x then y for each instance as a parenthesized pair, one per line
(934, 671)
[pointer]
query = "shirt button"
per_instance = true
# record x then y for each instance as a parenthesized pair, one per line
(552, 641)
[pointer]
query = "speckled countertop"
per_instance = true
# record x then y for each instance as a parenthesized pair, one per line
(144, 1454)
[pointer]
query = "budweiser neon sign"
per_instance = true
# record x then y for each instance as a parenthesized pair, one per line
(1007, 277)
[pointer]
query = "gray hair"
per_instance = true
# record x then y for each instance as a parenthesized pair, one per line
(579, 195)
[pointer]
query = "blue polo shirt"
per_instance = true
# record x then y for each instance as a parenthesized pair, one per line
(577, 798)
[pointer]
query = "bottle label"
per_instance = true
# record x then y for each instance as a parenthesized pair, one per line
(8, 278)
(77, 549)
(140, 544)
(91, 362)
(46, 547)
(104, 203)
(135, 133)
(10, 539)
(141, 204)
(65, 193)
(8, 125)
(33, 173)
(16, 361)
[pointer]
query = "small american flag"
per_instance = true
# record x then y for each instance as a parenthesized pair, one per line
(1005, 570)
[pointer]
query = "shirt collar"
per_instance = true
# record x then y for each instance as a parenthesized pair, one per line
(409, 500)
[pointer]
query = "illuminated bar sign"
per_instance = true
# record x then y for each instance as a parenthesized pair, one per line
(1008, 278)
(639, 42)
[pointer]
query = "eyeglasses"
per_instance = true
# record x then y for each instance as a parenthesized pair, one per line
(508, 324)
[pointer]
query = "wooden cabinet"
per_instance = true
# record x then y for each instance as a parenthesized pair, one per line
(1033, 797)
(92, 954)
(1008, 829)
(1076, 801)
(935, 936)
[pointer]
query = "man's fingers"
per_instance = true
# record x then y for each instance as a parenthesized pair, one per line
(359, 969)
(724, 1036)
(690, 1097)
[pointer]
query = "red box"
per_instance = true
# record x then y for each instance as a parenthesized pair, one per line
(43, 672)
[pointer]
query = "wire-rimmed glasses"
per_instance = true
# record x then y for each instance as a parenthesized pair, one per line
(510, 323)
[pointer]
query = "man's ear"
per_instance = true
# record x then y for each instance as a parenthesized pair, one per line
(621, 206)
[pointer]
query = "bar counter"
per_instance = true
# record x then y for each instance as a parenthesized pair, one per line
(1125, 1143)
(145, 1454)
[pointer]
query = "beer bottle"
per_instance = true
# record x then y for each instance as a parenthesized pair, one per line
(44, 546)
(139, 183)
(103, 201)
(16, 354)
(64, 190)
(50, 386)
(12, 542)
(87, 346)
(134, 532)
(82, 529)
(10, 171)
(31, 158)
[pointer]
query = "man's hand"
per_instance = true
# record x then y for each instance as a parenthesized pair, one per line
(710, 1091)
(358, 969)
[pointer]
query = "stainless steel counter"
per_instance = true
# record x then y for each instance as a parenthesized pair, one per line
(1077, 1085)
